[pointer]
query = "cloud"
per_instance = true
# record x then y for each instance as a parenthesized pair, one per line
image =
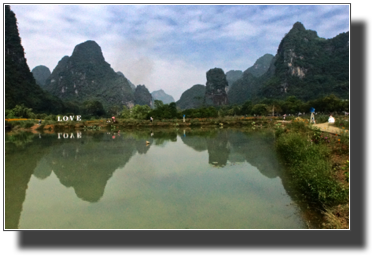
(240, 30)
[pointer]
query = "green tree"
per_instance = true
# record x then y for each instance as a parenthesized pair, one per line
(93, 108)
(20, 111)
(246, 108)
(260, 110)
(158, 104)
(140, 111)
(114, 110)
(125, 113)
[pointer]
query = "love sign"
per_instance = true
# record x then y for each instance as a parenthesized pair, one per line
(66, 118)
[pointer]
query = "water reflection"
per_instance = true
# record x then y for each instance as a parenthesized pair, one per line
(87, 164)
(86, 161)
(229, 147)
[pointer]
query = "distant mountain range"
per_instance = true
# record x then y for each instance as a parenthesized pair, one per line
(41, 74)
(162, 96)
(305, 66)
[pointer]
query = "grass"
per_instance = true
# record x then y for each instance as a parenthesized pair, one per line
(337, 217)
(317, 166)
(20, 123)
(342, 123)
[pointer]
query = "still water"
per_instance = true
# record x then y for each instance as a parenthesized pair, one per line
(179, 179)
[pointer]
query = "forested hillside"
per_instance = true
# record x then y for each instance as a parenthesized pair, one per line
(305, 66)
(308, 67)
(85, 76)
(20, 85)
(192, 98)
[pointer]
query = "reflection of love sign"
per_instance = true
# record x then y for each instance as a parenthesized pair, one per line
(65, 135)
(65, 118)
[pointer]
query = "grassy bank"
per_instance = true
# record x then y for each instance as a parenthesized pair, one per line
(317, 166)
(107, 124)
(19, 123)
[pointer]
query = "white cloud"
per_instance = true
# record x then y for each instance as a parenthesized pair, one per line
(240, 30)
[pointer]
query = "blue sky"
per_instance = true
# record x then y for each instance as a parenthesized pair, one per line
(169, 47)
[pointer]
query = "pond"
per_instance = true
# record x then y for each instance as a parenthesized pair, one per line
(161, 179)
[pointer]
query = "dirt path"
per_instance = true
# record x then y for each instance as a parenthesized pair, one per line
(325, 127)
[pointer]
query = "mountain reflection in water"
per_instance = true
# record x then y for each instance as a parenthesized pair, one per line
(87, 162)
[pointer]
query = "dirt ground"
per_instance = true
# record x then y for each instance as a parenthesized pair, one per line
(338, 216)
(325, 127)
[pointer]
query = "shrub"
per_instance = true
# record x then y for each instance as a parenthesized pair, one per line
(342, 123)
(51, 117)
(321, 118)
(27, 124)
(298, 126)
(310, 170)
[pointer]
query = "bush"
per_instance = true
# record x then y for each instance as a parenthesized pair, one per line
(27, 124)
(51, 117)
(299, 125)
(310, 170)
(41, 116)
(342, 123)
(321, 118)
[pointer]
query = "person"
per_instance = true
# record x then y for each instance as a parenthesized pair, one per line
(184, 118)
(39, 121)
(151, 119)
(331, 119)
(284, 116)
(312, 120)
(113, 119)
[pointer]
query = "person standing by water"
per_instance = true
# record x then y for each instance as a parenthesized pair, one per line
(312, 120)
(184, 118)
(151, 119)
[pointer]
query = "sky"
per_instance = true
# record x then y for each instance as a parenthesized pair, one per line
(169, 47)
